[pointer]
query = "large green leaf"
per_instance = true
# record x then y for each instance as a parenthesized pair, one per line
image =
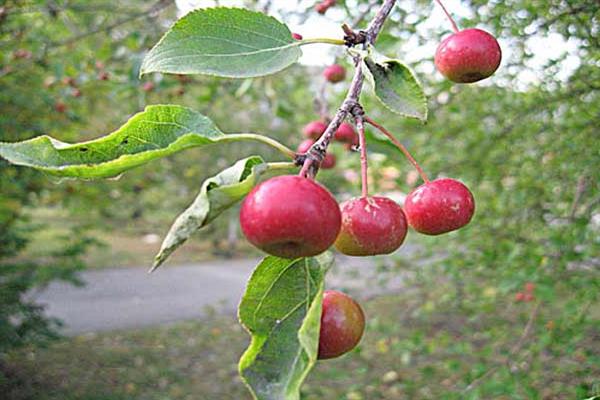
(216, 195)
(158, 131)
(281, 310)
(227, 42)
(396, 87)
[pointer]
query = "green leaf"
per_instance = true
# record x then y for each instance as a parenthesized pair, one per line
(227, 42)
(216, 195)
(158, 131)
(281, 310)
(396, 86)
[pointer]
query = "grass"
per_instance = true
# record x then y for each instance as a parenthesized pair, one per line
(413, 348)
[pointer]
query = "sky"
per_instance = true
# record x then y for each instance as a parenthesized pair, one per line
(544, 48)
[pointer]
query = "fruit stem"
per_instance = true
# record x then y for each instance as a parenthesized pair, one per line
(338, 42)
(263, 139)
(400, 146)
(281, 165)
(454, 26)
(360, 126)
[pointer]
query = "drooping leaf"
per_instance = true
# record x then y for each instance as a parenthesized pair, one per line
(227, 42)
(281, 310)
(158, 131)
(216, 195)
(396, 86)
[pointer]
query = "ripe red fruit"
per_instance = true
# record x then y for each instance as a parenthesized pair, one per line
(371, 226)
(439, 206)
(297, 36)
(314, 129)
(468, 56)
(148, 86)
(290, 216)
(76, 92)
(60, 107)
(342, 325)
(103, 76)
(324, 5)
(529, 287)
(328, 162)
(519, 296)
(346, 134)
(335, 73)
(528, 297)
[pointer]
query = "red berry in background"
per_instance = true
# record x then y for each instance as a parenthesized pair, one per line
(439, 206)
(103, 76)
(324, 5)
(527, 297)
(69, 81)
(290, 216)
(76, 92)
(529, 287)
(342, 325)
(148, 86)
(371, 226)
(335, 73)
(520, 296)
(314, 129)
(22, 54)
(468, 56)
(346, 134)
(297, 36)
(328, 162)
(60, 107)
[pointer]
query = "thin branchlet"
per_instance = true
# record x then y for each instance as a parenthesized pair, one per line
(314, 156)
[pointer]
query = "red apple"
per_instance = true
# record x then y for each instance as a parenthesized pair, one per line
(342, 325)
(519, 296)
(346, 134)
(335, 73)
(148, 86)
(60, 107)
(328, 162)
(468, 56)
(290, 216)
(439, 206)
(324, 5)
(314, 129)
(371, 226)
(529, 287)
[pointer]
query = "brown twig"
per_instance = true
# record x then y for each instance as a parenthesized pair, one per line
(313, 157)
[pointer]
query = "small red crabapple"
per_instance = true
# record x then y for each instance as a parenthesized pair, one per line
(342, 325)
(519, 296)
(468, 56)
(291, 217)
(529, 287)
(346, 134)
(314, 129)
(439, 206)
(335, 73)
(60, 107)
(148, 86)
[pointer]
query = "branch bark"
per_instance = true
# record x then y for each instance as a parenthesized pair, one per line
(312, 159)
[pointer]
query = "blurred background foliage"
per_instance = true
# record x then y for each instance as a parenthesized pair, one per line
(526, 142)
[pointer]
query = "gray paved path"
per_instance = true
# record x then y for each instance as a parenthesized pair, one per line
(130, 297)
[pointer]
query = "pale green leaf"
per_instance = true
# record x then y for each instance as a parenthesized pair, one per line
(158, 131)
(226, 42)
(281, 310)
(217, 194)
(396, 86)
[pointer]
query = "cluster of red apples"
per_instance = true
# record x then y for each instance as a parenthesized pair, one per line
(293, 216)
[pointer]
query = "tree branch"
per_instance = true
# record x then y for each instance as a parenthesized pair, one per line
(315, 155)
